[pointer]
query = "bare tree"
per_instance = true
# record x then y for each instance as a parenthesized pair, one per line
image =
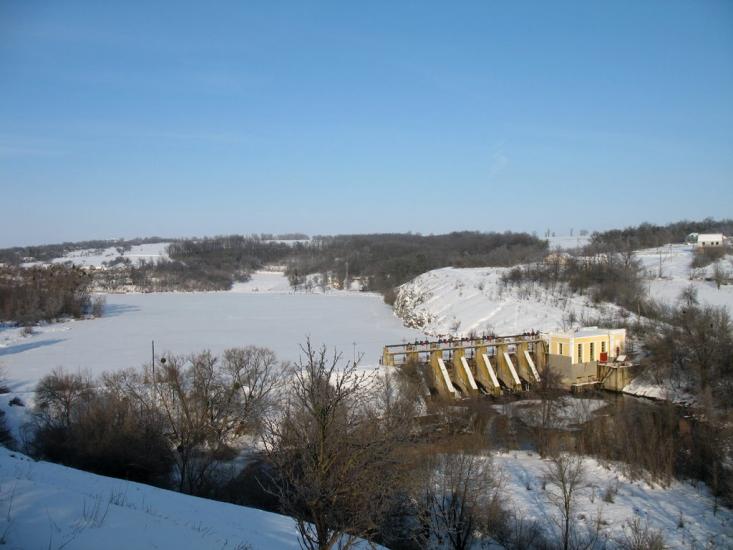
(333, 460)
(459, 497)
(61, 393)
(720, 275)
(208, 403)
(566, 473)
(253, 376)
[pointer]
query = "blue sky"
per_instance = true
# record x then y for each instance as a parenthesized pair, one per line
(122, 119)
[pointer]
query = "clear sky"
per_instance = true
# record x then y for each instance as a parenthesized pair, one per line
(123, 119)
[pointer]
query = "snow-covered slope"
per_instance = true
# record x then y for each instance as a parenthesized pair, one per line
(49, 506)
(44, 505)
(461, 301)
(663, 508)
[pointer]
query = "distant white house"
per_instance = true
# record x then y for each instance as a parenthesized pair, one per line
(704, 240)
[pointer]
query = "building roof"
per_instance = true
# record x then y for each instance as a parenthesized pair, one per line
(586, 332)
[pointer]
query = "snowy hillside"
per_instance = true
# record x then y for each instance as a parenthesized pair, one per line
(94, 257)
(461, 301)
(44, 505)
(668, 273)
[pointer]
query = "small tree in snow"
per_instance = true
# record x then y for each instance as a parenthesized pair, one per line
(460, 496)
(565, 474)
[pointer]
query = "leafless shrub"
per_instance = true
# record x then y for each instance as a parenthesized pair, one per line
(459, 499)
(639, 536)
(207, 403)
(98, 303)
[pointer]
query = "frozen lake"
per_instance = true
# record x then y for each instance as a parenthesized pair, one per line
(182, 323)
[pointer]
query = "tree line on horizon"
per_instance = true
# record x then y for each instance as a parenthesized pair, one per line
(380, 262)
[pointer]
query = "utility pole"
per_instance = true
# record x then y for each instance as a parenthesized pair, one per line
(346, 277)
(152, 364)
(354, 343)
(660, 262)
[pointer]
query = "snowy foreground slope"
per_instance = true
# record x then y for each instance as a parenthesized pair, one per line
(44, 505)
(662, 508)
(459, 301)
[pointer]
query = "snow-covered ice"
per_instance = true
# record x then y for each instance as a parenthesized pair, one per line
(183, 323)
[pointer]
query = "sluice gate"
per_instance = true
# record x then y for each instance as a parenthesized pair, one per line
(467, 367)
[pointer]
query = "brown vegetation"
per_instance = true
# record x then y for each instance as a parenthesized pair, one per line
(28, 295)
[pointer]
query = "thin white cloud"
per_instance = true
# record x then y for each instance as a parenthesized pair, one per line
(14, 150)
(498, 161)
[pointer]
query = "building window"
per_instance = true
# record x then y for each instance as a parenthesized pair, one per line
(559, 348)
(603, 347)
(592, 351)
(580, 353)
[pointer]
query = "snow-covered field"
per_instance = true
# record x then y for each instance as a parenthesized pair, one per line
(661, 507)
(265, 282)
(672, 262)
(183, 323)
(93, 257)
(45, 505)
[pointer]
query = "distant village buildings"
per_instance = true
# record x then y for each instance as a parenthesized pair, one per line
(706, 240)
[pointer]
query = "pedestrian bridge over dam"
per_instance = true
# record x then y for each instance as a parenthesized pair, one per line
(465, 367)
(587, 358)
